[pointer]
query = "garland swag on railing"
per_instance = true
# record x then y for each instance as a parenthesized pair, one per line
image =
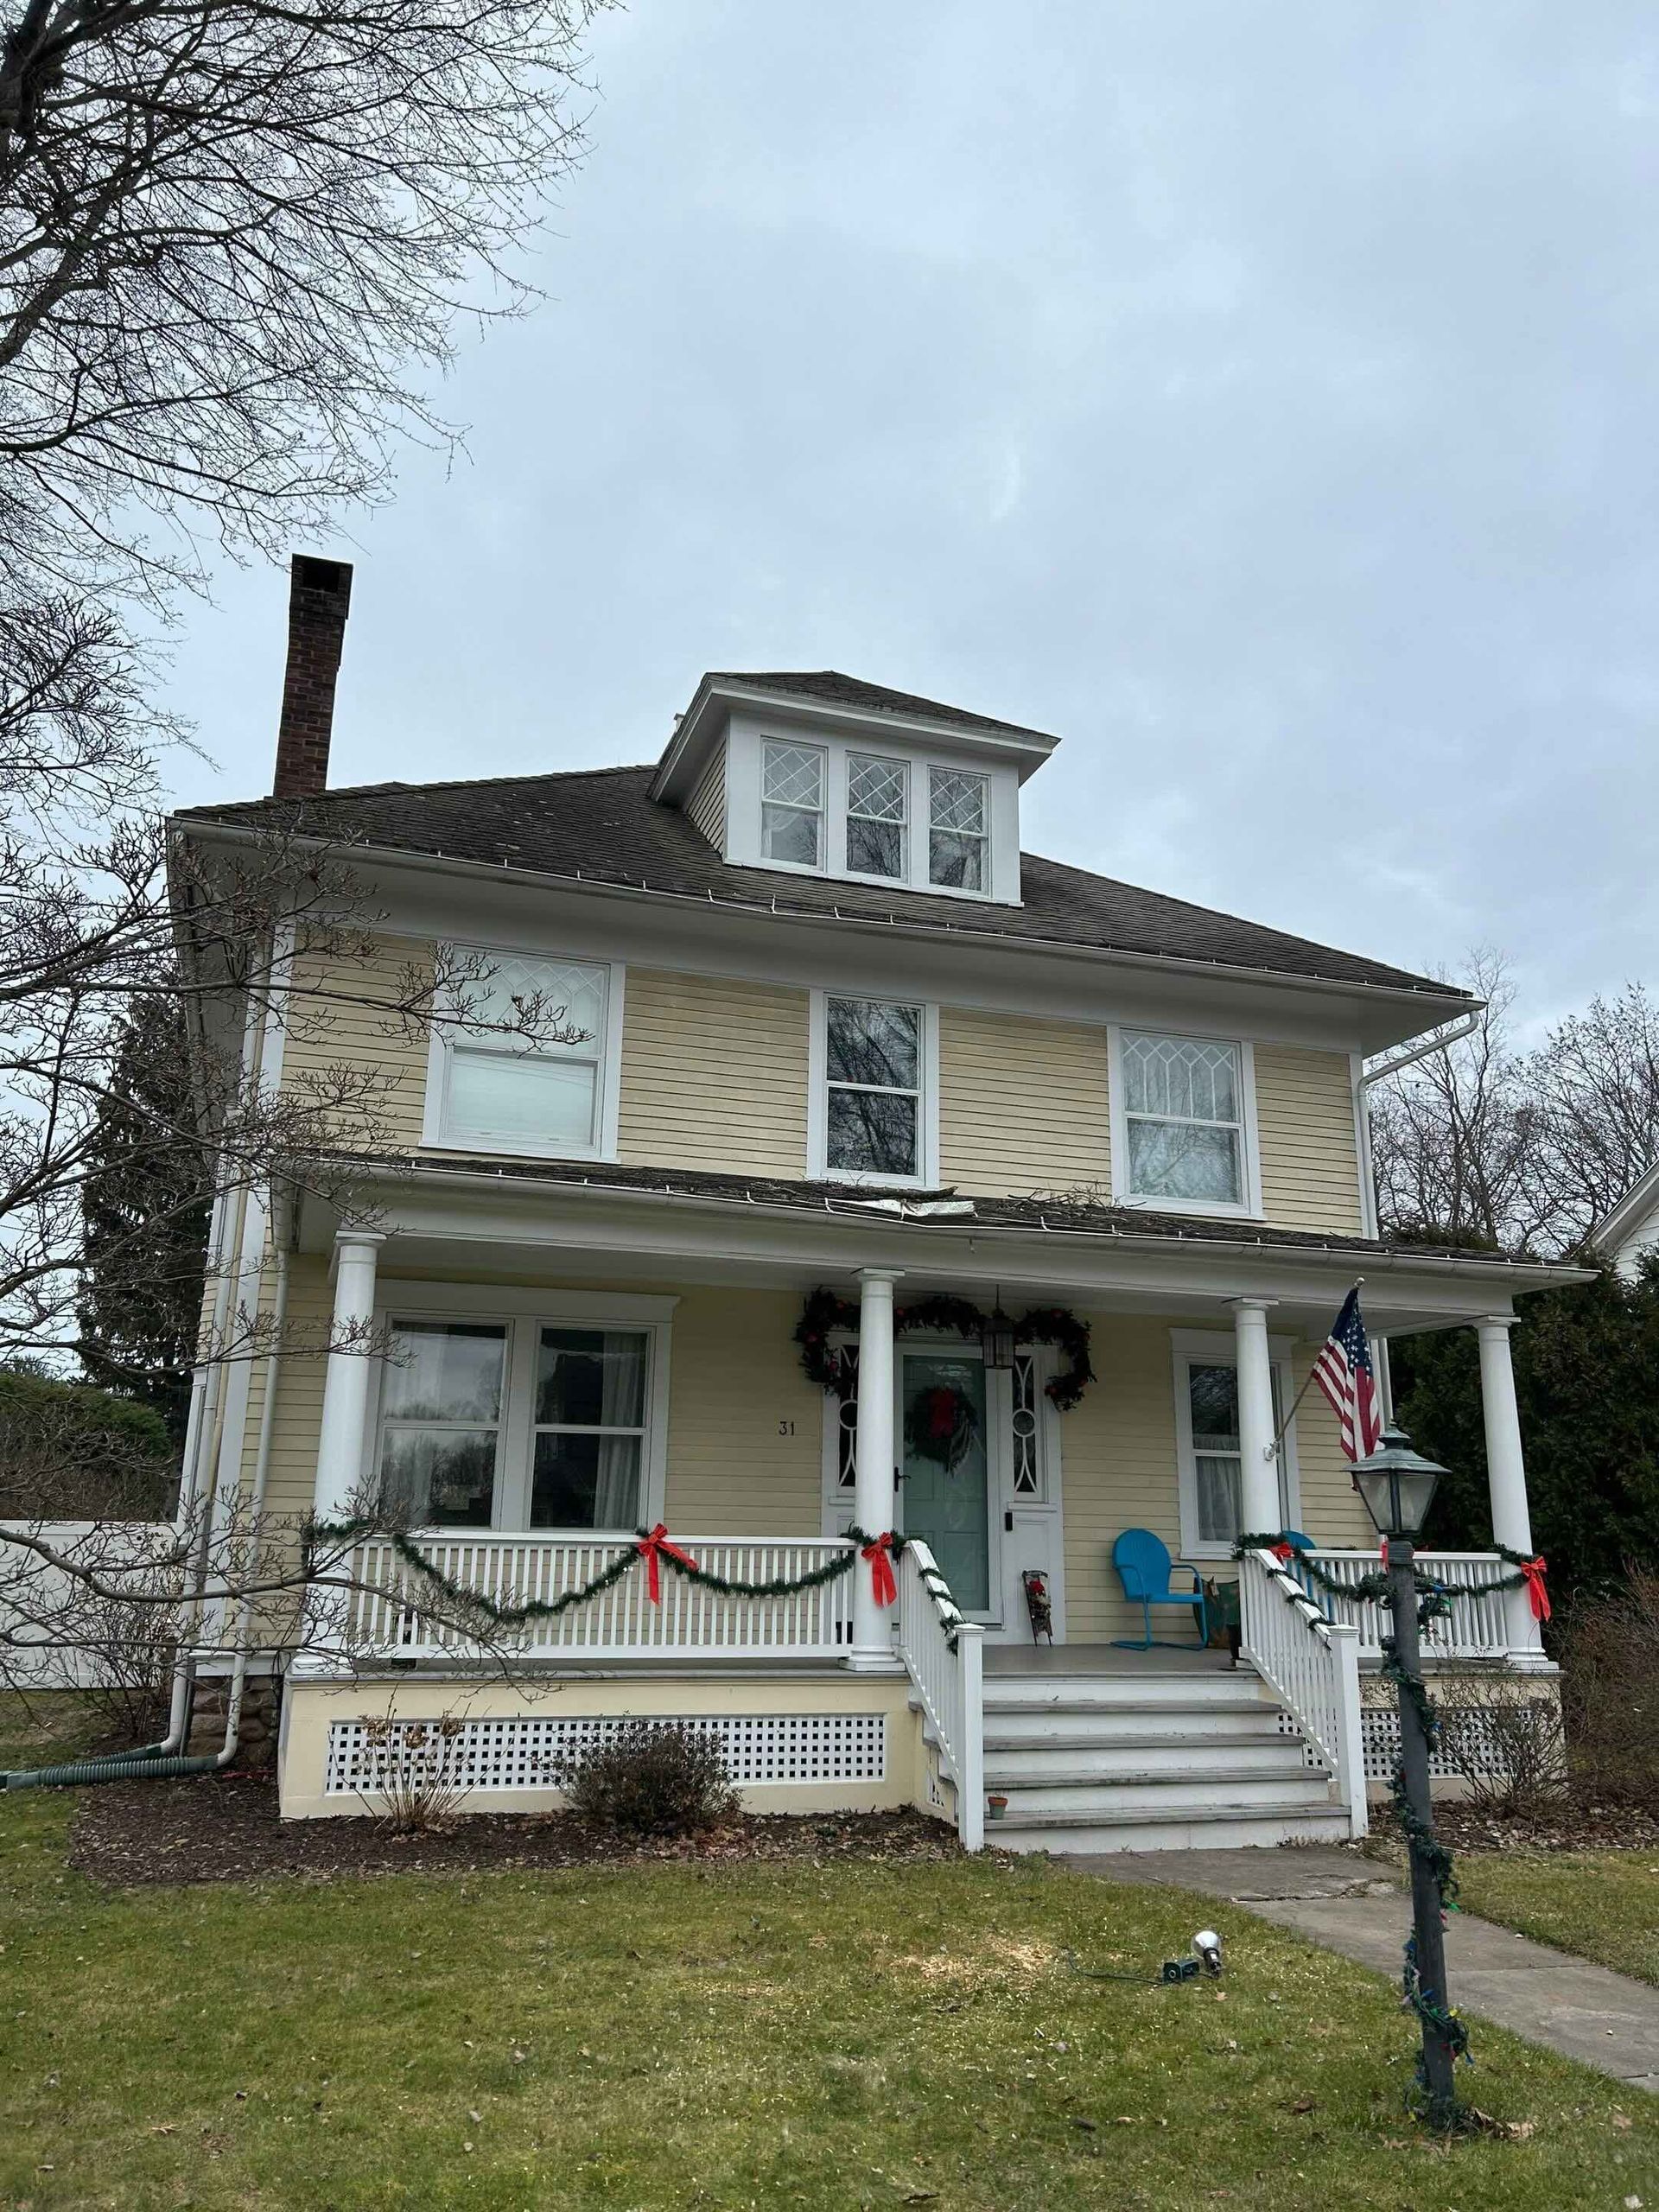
(653, 1546)
(1434, 1594)
(944, 1315)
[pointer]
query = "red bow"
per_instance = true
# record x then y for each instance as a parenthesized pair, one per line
(650, 1548)
(1282, 1552)
(1533, 1571)
(879, 1554)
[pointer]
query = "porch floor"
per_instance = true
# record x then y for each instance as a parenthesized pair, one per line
(1101, 1659)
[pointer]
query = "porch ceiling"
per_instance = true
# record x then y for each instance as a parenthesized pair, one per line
(467, 1221)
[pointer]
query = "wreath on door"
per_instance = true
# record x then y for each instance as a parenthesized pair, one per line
(942, 1425)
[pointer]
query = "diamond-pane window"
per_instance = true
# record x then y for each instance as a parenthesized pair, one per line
(957, 829)
(875, 816)
(523, 1053)
(791, 804)
(1182, 1104)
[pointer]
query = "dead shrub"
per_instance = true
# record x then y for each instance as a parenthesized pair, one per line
(1507, 1747)
(651, 1779)
(417, 1770)
(1610, 1692)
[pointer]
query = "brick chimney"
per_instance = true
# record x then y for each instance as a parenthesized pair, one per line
(319, 600)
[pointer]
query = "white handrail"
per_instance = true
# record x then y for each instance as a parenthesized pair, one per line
(1476, 1627)
(1312, 1666)
(619, 1622)
(943, 1655)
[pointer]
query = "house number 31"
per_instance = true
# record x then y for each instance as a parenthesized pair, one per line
(785, 1429)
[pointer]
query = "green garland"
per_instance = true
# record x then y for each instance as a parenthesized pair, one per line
(1435, 1594)
(538, 1609)
(944, 1315)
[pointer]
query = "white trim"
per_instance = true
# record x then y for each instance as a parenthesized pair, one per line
(817, 1098)
(608, 1063)
(1250, 1207)
(1219, 1348)
(1367, 1170)
(1628, 1222)
(523, 1312)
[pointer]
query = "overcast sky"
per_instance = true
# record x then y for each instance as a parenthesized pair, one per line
(1261, 394)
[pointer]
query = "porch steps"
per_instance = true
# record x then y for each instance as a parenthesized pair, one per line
(1149, 1763)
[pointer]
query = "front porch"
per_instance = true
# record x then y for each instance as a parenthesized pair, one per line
(640, 1393)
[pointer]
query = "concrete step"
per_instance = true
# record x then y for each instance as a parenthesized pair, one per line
(1200, 1726)
(1101, 1750)
(1161, 1796)
(1221, 1826)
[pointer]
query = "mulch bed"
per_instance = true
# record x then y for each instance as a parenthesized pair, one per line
(224, 1829)
(1571, 1827)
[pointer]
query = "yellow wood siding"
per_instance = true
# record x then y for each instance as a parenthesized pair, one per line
(735, 1376)
(713, 1074)
(706, 808)
(1305, 1125)
(1023, 1105)
(341, 1017)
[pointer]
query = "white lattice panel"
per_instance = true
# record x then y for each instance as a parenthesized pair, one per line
(1380, 1731)
(527, 1752)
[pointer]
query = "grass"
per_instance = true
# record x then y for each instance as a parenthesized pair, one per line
(1602, 1904)
(775, 2037)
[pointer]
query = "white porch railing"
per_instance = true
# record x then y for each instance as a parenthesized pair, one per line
(1312, 1665)
(949, 1683)
(1476, 1627)
(387, 1617)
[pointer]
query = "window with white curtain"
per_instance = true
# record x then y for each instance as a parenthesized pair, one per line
(589, 1428)
(440, 1422)
(525, 1055)
(791, 803)
(1183, 1119)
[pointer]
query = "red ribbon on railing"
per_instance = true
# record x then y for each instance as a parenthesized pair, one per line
(879, 1554)
(650, 1548)
(1537, 1596)
(1282, 1552)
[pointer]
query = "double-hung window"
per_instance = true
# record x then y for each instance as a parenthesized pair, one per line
(440, 1422)
(876, 813)
(874, 1089)
(1183, 1124)
(791, 803)
(589, 1428)
(523, 1064)
(958, 829)
(1210, 1464)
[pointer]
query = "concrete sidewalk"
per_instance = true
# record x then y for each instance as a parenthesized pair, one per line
(1356, 1906)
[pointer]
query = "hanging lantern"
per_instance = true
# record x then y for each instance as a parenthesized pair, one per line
(996, 1338)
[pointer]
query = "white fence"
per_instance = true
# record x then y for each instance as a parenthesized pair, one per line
(55, 1635)
(1312, 1665)
(1475, 1628)
(393, 1614)
(949, 1683)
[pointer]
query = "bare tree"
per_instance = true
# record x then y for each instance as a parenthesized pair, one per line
(1595, 1080)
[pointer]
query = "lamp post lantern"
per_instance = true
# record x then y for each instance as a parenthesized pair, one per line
(1397, 1485)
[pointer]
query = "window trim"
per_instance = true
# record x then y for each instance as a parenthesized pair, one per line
(1219, 1348)
(845, 817)
(524, 1313)
(826, 815)
(1248, 1207)
(817, 1113)
(607, 1065)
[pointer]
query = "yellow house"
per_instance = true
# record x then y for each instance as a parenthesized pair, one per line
(874, 1175)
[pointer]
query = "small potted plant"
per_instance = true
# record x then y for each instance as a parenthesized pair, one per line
(995, 1805)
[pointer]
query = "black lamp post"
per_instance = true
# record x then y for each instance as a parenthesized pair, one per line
(1397, 1485)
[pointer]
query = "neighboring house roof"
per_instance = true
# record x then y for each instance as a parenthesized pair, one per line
(601, 826)
(1058, 1213)
(1638, 1210)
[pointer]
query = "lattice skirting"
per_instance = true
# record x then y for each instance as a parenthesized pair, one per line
(527, 1753)
(1380, 1733)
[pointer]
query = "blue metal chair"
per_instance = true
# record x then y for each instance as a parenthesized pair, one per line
(1299, 1542)
(1143, 1564)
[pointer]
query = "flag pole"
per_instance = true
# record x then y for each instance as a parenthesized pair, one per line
(1277, 1445)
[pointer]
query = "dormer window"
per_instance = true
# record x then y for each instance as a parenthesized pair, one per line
(877, 813)
(791, 804)
(958, 829)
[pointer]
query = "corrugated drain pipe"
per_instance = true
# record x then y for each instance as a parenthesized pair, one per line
(159, 1763)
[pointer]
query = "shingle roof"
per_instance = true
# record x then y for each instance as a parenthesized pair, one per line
(602, 826)
(831, 688)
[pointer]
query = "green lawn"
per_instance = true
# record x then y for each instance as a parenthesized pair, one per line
(1602, 1904)
(768, 2036)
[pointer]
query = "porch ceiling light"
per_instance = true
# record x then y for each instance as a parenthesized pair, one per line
(996, 1338)
(1397, 1485)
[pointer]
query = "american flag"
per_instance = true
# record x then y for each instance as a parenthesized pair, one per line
(1343, 1372)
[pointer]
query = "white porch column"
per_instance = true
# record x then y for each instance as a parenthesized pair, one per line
(873, 1491)
(346, 1384)
(1506, 1473)
(1258, 1484)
